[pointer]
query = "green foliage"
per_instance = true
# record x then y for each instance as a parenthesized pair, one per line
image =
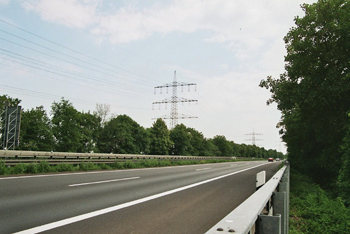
(89, 130)
(7, 100)
(313, 211)
(104, 166)
(160, 138)
(36, 133)
(19, 169)
(64, 167)
(3, 168)
(313, 92)
(88, 167)
(181, 139)
(343, 181)
(224, 147)
(44, 167)
(123, 135)
(66, 126)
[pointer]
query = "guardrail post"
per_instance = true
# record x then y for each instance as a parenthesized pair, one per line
(269, 224)
(279, 201)
(284, 186)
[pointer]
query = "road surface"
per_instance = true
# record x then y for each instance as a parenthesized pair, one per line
(182, 199)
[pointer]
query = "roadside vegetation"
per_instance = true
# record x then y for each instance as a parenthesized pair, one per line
(313, 96)
(313, 210)
(69, 130)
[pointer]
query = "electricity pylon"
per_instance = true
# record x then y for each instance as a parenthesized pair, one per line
(253, 134)
(174, 116)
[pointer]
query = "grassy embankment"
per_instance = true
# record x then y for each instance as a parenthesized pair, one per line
(312, 210)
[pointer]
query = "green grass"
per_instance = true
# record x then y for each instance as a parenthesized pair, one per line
(312, 210)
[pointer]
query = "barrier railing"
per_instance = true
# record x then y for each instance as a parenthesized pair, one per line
(264, 212)
(11, 157)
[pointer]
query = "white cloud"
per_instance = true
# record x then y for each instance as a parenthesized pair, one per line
(230, 21)
(72, 13)
(4, 2)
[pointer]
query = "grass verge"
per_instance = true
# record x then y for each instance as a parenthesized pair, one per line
(312, 210)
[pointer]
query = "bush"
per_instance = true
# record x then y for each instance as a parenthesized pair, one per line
(88, 167)
(3, 169)
(64, 167)
(129, 165)
(31, 168)
(104, 166)
(44, 167)
(19, 169)
(313, 211)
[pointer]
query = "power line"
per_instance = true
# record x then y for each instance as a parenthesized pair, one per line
(70, 49)
(174, 115)
(253, 139)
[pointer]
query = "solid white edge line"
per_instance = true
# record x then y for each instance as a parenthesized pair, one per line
(78, 218)
(104, 181)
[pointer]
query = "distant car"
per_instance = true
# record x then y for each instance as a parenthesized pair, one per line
(270, 160)
(277, 159)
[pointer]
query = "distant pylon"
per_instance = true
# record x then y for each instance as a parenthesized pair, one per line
(253, 134)
(174, 116)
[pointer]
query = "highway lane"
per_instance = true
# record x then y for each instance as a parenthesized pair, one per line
(31, 201)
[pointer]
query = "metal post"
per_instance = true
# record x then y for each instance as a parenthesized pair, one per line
(269, 224)
(279, 202)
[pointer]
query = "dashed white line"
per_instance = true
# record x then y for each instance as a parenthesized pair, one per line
(203, 169)
(104, 181)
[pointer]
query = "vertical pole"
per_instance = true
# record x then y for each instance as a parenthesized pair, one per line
(269, 224)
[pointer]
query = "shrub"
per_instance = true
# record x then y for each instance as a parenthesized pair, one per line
(313, 211)
(88, 166)
(3, 169)
(104, 166)
(18, 169)
(64, 167)
(31, 168)
(44, 167)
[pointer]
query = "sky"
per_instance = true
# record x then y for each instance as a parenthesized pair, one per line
(117, 52)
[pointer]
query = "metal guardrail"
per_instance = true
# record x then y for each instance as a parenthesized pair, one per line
(264, 212)
(12, 157)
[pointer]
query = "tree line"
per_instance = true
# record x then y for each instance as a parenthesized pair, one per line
(69, 130)
(313, 95)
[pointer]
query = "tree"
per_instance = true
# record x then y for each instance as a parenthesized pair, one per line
(180, 136)
(124, 136)
(36, 131)
(89, 129)
(102, 111)
(7, 100)
(198, 143)
(160, 143)
(66, 126)
(223, 145)
(314, 90)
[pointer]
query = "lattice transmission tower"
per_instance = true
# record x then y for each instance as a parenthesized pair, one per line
(253, 139)
(174, 99)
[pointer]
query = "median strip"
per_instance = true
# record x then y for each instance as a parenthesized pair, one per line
(101, 182)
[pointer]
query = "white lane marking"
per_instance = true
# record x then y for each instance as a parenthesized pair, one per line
(104, 181)
(78, 218)
(203, 169)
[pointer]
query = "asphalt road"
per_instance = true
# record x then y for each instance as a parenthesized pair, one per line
(186, 199)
